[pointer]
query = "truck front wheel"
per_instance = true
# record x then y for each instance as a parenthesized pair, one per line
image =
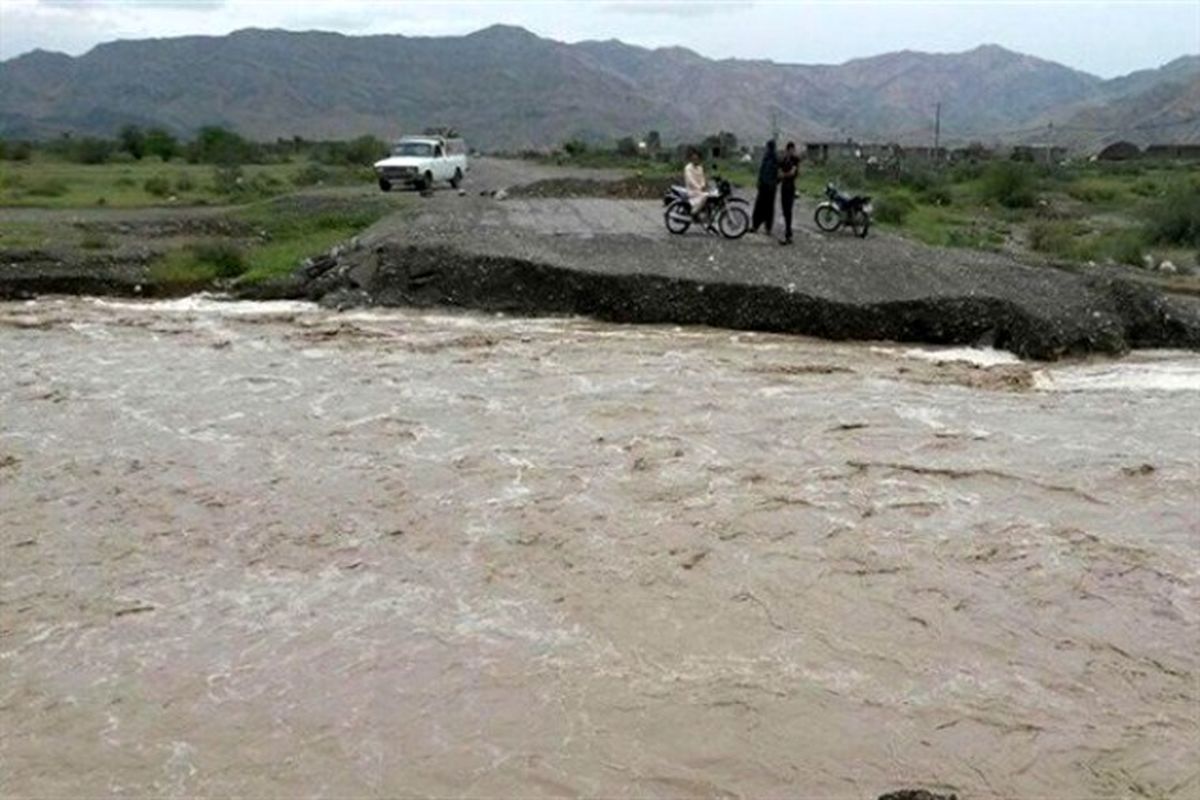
(457, 179)
(385, 185)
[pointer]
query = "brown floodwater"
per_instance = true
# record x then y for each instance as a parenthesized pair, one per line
(269, 550)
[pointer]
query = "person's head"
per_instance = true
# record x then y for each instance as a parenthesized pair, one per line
(770, 145)
(694, 155)
(790, 147)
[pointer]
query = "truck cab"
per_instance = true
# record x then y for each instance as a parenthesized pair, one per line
(421, 161)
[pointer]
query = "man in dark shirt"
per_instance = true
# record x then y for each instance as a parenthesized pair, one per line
(789, 165)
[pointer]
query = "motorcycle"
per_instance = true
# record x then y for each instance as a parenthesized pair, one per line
(842, 209)
(722, 212)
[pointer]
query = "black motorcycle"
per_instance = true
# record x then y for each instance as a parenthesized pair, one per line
(722, 212)
(842, 209)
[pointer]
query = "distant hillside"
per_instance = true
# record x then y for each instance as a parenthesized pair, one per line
(1145, 107)
(507, 88)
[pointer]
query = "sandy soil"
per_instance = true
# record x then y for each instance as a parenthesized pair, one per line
(274, 551)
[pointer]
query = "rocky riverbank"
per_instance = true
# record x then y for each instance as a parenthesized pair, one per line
(569, 242)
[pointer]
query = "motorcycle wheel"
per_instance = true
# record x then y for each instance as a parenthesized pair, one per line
(827, 218)
(677, 217)
(860, 223)
(733, 222)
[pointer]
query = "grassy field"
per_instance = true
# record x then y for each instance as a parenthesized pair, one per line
(48, 182)
(286, 231)
(262, 221)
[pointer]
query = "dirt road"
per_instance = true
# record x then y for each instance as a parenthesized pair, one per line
(261, 551)
(612, 258)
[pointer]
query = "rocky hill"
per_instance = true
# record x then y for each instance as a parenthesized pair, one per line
(507, 88)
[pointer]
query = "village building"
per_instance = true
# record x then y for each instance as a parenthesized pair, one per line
(1039, 153)
(1119, 151)
(822, 152)
(1190, 152)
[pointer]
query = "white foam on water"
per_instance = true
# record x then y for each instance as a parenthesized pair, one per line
(211, 304)
(1160, 376)
(980, 356)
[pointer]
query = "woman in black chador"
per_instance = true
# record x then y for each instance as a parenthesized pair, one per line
(768, 180)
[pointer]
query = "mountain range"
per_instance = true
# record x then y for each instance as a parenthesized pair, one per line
(506, 88)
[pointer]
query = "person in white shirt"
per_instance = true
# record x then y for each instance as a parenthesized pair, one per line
(695, 182)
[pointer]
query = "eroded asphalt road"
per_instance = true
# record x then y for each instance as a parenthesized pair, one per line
(268, 550)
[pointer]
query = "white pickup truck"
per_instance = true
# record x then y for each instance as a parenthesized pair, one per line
(419, 161)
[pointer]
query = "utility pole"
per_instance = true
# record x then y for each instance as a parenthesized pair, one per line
(937, 129)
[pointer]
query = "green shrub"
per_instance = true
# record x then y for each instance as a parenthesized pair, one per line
(1175, 220)
(125, 181)
(47, 187)
(894, 207)
(161, 143)
(215, 145)
(264, 185)
(157, 185)
(1055, 238)
(937, 195)
(89, 150)
(1144, 188)
(184, 183)
(16, 151)
(974, 235)
(236, 185)
(1127, 168)
(1092, 191)
(967, 171)
(225, 258)
(310, 175)
(1008, 183)
(94, 240)
(919, 179)
(1125, 247)
(228, 180)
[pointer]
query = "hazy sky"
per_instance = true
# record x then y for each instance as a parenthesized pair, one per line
(1105, 38)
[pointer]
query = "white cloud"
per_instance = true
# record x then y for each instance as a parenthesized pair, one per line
(167, 5)
(676, 8)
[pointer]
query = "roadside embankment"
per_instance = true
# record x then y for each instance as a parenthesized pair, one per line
(611, 260)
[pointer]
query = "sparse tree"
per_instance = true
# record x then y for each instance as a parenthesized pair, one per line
(133, 141)
(161, 143)
(217, 145)
(90, 150)
(365, 150)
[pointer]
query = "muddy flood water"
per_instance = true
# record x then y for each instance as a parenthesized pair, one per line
(266, 550)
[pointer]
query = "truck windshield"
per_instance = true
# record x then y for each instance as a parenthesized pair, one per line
(412, 149)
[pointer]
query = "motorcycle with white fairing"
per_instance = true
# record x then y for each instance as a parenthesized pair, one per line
(722, 213)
